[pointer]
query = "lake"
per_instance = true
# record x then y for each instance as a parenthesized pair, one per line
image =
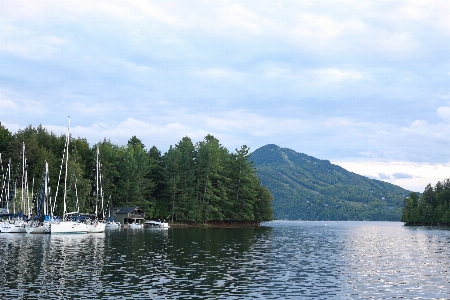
(280, 260)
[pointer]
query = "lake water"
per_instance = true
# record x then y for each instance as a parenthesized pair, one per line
(280, 260)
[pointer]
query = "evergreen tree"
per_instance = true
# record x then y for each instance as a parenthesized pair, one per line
(5, 139)
(210, 187)
(245, 186)
(134, 186)
(157, 176)
(192, 183)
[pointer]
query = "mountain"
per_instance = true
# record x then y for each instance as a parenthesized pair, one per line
(308, 188)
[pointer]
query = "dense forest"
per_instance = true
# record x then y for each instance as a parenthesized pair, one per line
(196, 183)
(432, 207)
(308, 188)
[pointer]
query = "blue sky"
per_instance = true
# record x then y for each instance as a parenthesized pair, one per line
(363, 84)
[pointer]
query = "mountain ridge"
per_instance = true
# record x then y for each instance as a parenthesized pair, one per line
(308, 188)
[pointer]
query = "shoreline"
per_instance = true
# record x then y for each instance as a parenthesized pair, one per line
(215, 224)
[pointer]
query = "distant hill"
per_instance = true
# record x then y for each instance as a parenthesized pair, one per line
(308, 188)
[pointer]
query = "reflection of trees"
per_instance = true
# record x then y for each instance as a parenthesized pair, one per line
(150, 263)
(215, 258)
(43, 265)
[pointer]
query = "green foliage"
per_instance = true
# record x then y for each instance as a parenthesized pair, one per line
(189, 183)
(431, 208)
(5, 138)
(308, 188)
(206, 183)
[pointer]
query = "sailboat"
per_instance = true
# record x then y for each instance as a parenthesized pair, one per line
(97, 225)
(69, 222)
(111, 224)
(41, 224)
(17, 224)
(4, 196)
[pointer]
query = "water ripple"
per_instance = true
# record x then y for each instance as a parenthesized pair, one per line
(283, 260)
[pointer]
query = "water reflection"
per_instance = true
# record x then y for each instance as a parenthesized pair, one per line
(51, 265)
(183, 261)
(284, 260)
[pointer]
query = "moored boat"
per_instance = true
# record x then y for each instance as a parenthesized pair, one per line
(136, 226)
(68, 224)
(69, 227)
(97, 226)
(38, 227)
(158, 224)
(15, 226)
(112, 225)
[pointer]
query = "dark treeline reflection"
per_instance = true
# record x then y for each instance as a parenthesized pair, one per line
(182, 260)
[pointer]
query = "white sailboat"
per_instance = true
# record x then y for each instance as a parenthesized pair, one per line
(68, 224)
(13, 226)
(17, 224)
(97, 225)
(111, 224)
(35, 227)
(5, 225)
(42, 223)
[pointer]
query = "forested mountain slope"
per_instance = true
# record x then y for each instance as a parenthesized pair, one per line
(308, 188)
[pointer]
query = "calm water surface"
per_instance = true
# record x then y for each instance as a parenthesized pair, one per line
(280, 260)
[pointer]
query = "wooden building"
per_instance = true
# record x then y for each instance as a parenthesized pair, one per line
(128, 214)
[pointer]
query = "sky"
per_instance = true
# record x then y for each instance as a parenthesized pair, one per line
(363, 84)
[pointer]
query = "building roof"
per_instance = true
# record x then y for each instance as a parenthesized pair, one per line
(127, 209)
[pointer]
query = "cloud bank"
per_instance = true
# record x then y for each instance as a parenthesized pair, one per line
(347, 81)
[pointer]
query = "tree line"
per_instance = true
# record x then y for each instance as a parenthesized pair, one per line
(432, 207)
(198, 183)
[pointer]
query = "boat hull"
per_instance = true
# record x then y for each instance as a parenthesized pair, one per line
(69, 227)
(97, 227)
(156, 224)
(39, 229)
(136, 226)
(16, 227)
(112, 225)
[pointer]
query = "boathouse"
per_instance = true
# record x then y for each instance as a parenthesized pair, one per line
(128, 214)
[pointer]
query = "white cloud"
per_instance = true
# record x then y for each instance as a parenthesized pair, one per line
(30, 43)
(220, 74)
(329, 75)
(7, 104)
(315, 30)
(333, 80)
(444, 113)
(409, 175)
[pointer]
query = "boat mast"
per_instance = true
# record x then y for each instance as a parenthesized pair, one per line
(53, 207)
(44, 205)
(96, 191)
(101, 193)
(109, 208)
(15, 197)
(9, 178)
(26, 203)
(65, 177)
(77, 206)
(3, 181)
(3, 184)
(23, 175)
(30, 210)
